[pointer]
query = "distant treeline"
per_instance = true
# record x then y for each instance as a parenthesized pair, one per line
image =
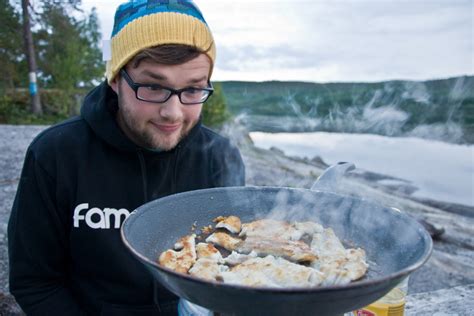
(394, 108)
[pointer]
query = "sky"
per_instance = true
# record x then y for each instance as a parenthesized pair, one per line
(333, 41)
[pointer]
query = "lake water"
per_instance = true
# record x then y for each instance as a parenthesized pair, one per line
(442, 171)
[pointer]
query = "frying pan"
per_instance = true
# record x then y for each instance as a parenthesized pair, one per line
(395, 245)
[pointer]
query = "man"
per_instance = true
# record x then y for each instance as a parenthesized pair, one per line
(138, 138)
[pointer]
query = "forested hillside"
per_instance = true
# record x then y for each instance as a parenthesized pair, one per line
(443, 108)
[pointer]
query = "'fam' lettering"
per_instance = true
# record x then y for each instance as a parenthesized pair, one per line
(97, 218)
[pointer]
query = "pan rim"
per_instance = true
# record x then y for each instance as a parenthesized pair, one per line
(287, 290)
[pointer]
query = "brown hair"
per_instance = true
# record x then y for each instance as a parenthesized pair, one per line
(168, 54)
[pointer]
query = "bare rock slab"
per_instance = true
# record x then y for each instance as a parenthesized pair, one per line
(457, 301)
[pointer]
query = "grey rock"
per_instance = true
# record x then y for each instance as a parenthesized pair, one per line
(8, 306)
(445, 280)
(457, 301)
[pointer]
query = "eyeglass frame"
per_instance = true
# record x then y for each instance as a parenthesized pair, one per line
(135, 86)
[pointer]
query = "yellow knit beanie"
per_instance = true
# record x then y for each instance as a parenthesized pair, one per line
(141, 24)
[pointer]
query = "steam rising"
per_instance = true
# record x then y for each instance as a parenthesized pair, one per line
(358, 223)
(396, 108)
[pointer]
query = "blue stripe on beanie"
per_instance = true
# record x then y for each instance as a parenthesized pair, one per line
(134, 9)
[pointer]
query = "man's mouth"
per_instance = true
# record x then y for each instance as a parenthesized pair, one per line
(167, 128)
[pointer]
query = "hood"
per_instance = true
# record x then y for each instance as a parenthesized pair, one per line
(99, 110)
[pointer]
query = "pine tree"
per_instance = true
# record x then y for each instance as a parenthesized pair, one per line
(70, 53)
(31, 58)
(12, 62)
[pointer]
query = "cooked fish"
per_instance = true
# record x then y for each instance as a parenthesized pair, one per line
(236, 258)
(339, 265)
(308, 228)
(231, 223)
(356, 263)
(208, 269)
(343, 270)
(326, 244)
(224, 240)
(180, 243)
(182, 260)
(270, 228)
(282, 245)
(334, 276)
(208, 251)
(292, 250)
(272, 272)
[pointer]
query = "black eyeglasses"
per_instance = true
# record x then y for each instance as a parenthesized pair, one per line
(156, 93)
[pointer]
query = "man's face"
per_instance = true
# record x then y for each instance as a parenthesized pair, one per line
(160, 125)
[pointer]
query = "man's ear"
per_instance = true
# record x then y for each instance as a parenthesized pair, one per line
(114, 83)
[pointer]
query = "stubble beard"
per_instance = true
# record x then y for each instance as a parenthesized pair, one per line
(145, 134)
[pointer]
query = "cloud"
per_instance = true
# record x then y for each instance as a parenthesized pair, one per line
(365, 40)
(264, 58)
(337, 40)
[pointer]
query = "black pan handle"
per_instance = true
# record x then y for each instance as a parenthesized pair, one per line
(329, 180)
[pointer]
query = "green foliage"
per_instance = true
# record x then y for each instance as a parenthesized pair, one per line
(12, 62)
(57, 106)
(318, 100)
(214, 111)
(352, 107)
(66, 43)
(68, 48)
(68, 57)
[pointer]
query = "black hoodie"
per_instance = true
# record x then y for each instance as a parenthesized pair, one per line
(80, 180)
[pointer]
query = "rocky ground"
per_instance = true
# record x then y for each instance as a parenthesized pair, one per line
(445, 281)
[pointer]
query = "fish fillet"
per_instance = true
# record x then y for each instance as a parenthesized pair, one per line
(270, 228)
(208, 251)
(236, 258)
(231, 223)
(182, 260)
(208, 269)
(281, 244)
(224, 240)
(292, 250)
(272, 272)
(339, 265)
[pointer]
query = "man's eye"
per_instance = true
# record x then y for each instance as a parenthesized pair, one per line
(193, 90)
(152, 88)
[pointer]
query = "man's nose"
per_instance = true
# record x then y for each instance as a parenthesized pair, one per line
(171, 109)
